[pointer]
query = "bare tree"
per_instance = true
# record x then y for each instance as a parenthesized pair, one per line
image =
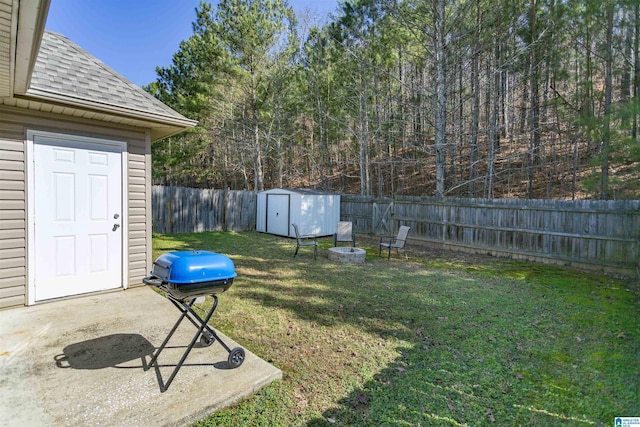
(441, 95)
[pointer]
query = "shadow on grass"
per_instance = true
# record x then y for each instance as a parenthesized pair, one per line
(517, 344)
(430, 385)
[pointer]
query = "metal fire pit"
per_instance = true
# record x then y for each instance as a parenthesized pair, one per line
(184, 277)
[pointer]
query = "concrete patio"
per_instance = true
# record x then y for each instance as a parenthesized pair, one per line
(81, 362)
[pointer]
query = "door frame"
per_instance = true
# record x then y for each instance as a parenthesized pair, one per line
(30, 201)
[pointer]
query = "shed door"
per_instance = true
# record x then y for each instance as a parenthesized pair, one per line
(278, 214)
(77, 213)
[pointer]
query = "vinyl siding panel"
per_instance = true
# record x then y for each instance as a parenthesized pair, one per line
(13, 156)
(11, 194)
(137, 226)
(139, 265)
(14, 243)
(137, 203)
(12, 185)
(13, 278)
(7, 175)
(12, 234)
(10, 165)
(141, 242)
(136, 235)
(12, 205)
(15, 291)
(14, 273)
(135, 180)
(137, 173)
(12, 214)
(12, 301)
(12, 253)
(11, 146)
(138, 257)
(12, 224)
(139, 211)
(136, 189)
(10, 282)
(14, 123)
(9, 263)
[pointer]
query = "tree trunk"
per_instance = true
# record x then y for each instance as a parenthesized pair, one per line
(534, 104)
(636, 79)
(258, 179)
(279, 153)
(625, 82)
(608, 83)
(441, 103)
(494, 135)
(363, 136)
(475, 89)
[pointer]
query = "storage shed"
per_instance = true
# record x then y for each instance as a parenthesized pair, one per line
(315, 212)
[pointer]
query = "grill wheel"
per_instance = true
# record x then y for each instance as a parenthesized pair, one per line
(236, 357)
(206, 340)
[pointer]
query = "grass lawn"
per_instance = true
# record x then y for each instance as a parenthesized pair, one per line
(435, 339)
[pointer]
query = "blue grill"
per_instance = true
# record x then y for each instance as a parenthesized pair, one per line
(184, 276)
(188, 274)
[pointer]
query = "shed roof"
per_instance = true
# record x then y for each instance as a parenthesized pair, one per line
(305, 191)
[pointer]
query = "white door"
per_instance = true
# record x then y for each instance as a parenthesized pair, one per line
(278, 214)
(77, 207)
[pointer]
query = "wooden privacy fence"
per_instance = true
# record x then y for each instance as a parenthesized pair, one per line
(189, 210)
(603, 235)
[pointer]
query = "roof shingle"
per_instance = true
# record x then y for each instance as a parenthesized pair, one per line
(65, 70)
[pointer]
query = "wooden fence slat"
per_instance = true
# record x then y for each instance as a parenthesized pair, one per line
(190, 210)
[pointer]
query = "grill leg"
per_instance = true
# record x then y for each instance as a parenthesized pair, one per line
(173, 330)
(200, 323)
(203, 324)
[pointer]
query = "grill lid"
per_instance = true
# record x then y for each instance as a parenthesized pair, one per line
(193, 267)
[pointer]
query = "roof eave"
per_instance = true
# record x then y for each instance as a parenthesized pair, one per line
(32, 16)
(161, 126)
(84, 104)
(160, 133)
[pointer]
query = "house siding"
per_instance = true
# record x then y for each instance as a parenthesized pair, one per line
(13, 265)
(14, 124)
(138, 187)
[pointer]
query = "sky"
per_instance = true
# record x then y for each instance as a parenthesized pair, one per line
(135, 36)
